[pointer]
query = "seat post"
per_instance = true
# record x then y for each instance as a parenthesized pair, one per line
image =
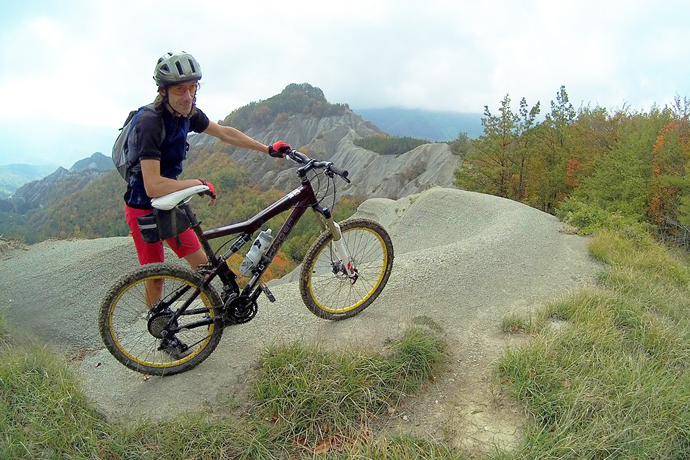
(196, 226)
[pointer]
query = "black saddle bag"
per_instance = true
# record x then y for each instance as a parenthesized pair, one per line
(161, 225)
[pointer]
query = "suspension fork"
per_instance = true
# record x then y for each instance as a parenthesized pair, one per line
(327, 223)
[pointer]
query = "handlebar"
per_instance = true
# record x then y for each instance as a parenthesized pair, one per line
(169, 201)
(309, 164)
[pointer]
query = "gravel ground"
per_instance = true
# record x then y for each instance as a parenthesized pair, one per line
(463, 260)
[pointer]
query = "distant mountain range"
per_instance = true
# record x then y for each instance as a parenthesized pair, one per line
(15, 175)
(424, 124)
(63, 144)
(97, 162)
(58, 143)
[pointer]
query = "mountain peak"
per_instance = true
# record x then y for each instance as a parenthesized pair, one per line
(97, 161)
(295, 99)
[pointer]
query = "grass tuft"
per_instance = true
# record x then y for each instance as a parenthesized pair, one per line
(516, 324)
(309, 394)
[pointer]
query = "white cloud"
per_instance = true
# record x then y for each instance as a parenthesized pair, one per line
(93, 63)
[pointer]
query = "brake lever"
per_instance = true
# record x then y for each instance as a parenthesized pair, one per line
(332, 169)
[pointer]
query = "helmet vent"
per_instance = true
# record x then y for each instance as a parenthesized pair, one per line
(191, 64)
(179, 68)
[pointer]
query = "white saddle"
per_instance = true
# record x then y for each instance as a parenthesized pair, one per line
(169, 201)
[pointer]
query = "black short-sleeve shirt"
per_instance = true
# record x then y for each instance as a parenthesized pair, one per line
(146, 141)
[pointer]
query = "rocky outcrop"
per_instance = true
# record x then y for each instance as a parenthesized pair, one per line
(332, 139)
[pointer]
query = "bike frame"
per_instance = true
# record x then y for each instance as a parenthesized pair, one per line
(298, 200)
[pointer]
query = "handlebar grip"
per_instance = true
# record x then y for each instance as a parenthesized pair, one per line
(341, 172)
(299, 157)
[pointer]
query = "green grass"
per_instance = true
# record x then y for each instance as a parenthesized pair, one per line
(42, 410)
(513, 323)
(311, 395)
(308, 401)
(616, 383)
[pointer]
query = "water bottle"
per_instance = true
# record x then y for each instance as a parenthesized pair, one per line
(256, 252)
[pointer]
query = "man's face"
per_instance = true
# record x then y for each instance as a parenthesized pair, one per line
(181, 97)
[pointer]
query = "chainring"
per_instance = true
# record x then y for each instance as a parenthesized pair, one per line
(239, 310)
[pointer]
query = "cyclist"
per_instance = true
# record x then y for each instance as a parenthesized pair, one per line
(155, 166)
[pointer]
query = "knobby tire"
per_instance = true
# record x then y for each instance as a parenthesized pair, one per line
(124, 325)
(329, 293)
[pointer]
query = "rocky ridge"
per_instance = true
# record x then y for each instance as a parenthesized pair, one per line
(332, 138)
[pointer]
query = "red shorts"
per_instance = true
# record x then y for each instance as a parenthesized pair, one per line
(153, 252)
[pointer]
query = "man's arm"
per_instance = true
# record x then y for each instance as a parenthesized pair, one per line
(157, 185)
(234, 137)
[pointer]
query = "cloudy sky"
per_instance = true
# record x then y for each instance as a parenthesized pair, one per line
(91, 61)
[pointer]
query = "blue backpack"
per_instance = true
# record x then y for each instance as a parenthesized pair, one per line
(120, 159)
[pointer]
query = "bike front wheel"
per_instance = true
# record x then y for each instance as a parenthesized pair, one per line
(135, 335)
(326, 288)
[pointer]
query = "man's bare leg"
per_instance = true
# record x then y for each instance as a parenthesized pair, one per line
(196, 258)
(154, 288)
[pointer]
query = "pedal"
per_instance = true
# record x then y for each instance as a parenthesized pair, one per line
(269, 294)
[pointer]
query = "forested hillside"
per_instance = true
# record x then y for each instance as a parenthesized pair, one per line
(390, 145)
(15, 175)
(295, 99)
(587, 165)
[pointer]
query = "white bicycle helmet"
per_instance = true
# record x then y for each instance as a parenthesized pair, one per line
(175, 68)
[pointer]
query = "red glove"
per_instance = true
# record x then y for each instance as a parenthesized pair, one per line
(279, 149)
(211, 189)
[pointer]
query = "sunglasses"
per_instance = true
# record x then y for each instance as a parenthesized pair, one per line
(179, 90)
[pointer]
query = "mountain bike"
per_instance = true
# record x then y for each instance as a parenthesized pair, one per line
(342, 273)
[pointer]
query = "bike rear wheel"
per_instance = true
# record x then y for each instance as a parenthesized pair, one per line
(132, 333)
(325, 287)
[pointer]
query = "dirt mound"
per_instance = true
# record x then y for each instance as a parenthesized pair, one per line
(463, 261)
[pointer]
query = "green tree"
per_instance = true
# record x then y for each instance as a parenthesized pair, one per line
(497, 163)
(487, 168)
(461, 145)
(525, 145)
(619, 181)
(555, 148)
